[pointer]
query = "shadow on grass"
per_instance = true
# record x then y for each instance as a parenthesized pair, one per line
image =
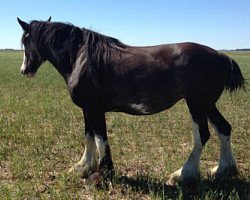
(204, 189)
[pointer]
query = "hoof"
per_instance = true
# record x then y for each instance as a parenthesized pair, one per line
(99, 181)
(224, 173)
(183, 177)
(81, 170)
(174, 178)
(95, 179)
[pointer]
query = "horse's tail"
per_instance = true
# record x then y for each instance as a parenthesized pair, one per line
(235, 81)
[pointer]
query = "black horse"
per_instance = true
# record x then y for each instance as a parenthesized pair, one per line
(105, 75)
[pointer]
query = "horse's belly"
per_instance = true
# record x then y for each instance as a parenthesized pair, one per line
(145, 107)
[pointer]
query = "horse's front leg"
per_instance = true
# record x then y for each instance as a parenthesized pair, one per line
(88, 163)
(97, 122)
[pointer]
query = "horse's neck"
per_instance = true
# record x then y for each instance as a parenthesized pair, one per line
(63, 63)
(64, 68)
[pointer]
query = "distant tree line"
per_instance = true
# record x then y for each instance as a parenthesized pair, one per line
(10, 49)
(246, 49)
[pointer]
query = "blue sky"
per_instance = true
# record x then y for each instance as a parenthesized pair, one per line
(221, 24)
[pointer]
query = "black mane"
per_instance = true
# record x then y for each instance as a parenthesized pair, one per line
(67, 37)
(99, 45)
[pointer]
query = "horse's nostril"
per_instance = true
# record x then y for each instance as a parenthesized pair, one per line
(23, 71)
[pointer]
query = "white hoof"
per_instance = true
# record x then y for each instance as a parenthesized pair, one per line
(183, 176)
(174, 178)
(82, 169)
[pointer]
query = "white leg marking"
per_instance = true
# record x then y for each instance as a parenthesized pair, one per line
(89, 155)
(88, 162)
(192, 165)
(101, 147)
(139, 107)
(191, 168)
(226, 154)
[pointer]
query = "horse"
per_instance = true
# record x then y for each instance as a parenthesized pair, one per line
(105, 75)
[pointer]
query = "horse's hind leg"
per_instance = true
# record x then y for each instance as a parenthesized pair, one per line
(190, 171)
(227, 166)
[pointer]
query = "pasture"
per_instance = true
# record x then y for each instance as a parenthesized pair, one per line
(41, 137)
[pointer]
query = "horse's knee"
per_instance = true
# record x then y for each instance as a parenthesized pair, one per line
(105, 161)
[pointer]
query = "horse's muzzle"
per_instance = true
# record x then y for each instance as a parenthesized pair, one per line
(27, 73)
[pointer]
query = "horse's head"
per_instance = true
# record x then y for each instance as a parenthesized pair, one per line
(32, 59)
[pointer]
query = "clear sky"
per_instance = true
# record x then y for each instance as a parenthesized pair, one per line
(221, 24)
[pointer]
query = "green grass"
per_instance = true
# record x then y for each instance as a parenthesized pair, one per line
(41, 136)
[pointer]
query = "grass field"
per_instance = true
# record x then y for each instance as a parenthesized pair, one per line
(41, 136)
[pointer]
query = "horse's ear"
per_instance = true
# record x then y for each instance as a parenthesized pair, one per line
(23, 24)
(49, 19)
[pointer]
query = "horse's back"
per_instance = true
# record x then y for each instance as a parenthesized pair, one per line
(156, 77)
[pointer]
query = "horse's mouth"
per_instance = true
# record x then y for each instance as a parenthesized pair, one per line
(28, 74)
